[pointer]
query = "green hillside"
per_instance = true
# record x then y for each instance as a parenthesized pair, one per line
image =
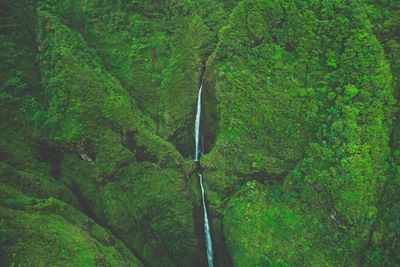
(300, 132)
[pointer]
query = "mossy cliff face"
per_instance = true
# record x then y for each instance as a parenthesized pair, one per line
(300, 132)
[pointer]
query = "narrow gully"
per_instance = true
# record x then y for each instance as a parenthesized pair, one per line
(197, 136)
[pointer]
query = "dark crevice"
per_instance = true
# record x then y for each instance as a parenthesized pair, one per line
(128, 141)
(210, 116)
(141, 152)
(52, 155)
(182, 138)
(117, 174)
(222, 256)
(270, 178)
(84, 204)
(209, 120)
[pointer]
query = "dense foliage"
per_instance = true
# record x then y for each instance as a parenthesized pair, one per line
(300, 132)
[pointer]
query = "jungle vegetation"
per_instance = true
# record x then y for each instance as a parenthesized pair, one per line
(300, 126)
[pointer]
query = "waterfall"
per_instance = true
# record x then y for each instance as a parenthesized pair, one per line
(197, 126)
(207, 233)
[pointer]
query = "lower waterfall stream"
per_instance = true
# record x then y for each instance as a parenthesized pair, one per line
(197, 136)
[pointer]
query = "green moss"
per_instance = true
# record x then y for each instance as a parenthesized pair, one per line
(262, 228)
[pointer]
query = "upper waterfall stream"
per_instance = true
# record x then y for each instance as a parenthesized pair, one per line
(197, 126)
(197, 136)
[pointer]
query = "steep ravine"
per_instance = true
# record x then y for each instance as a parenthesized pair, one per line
(211, 237)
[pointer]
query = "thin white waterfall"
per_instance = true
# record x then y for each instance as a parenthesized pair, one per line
(197, 126)
(197, 133)
(207, 233)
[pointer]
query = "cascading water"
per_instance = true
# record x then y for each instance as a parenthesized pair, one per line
(207, 233)
(197, 126)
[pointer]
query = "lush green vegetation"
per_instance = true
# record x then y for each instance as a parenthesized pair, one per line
(300, 125)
